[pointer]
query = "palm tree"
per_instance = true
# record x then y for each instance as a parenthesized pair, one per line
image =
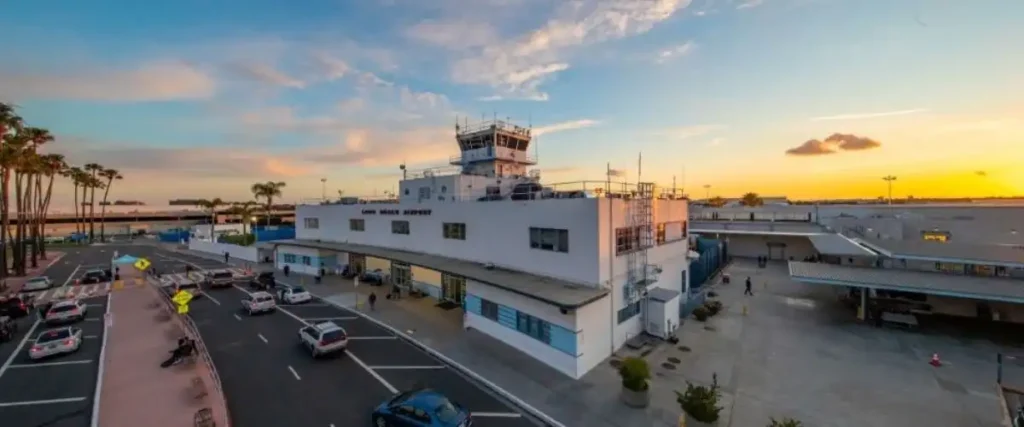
(245, 210)
(751, 200)
(52, 165)
(716, 202)
(9, 121)
(110, 175)
(32, 170)
(268, 191)
(210, 207)
(94, 169)
(83, 183)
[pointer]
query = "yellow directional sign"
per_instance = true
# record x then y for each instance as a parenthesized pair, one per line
(182, 298)
(183, 309)
(142, 264)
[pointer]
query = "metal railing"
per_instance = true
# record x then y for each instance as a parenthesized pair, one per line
(193, 332)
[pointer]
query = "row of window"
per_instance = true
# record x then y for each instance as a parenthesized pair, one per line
(548, 239)
(450, 230)
(628, 312)
(294, 259)
(525, 323)
(311, 223)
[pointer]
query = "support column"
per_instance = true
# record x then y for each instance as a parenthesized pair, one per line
(862, 309)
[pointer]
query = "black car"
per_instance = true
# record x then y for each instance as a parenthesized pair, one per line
(15, 307)
(8, 327)
(372, 278)
(263, 281)
(94, 276)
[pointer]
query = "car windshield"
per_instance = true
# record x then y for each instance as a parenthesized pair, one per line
(446, 412)
(37, 280)
(62, 308)
(93, 273)
(298, 289)
(222, 275)
(334, 335)
(56, 335)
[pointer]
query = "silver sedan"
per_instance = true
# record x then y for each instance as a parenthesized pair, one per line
(56, 341)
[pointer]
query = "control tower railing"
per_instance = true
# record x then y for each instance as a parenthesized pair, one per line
(466, 129)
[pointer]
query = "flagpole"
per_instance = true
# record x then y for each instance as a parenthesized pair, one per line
(611, 256)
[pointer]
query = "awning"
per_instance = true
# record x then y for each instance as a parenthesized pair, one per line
(125, 259)
(983, 288)
(839, 245)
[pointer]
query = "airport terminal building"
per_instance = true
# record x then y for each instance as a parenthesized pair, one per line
(566, 274)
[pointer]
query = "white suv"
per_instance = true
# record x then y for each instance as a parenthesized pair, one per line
(40, 283)
(65, 311)
(323, 338)
(259, 302)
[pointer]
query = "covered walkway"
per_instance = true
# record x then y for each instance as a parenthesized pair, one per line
(982, 288)
(839, 245)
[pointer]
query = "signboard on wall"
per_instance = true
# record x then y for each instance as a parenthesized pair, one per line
(407, 212)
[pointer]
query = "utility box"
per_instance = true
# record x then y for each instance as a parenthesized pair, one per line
(662, 312)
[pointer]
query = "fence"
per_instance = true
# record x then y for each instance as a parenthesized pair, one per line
(192, 331)
(713, 254)
(247, 253)
(279, 233)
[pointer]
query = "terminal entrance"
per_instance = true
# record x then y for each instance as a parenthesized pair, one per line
(453, 288)
(357, 263)
(401, 274)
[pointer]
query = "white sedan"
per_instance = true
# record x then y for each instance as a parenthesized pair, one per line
(56, 341)
(294, 295)
(259, 302)
(40, 283)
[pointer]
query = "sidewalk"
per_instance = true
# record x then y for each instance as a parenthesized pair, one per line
(14, 284)
(135, 390)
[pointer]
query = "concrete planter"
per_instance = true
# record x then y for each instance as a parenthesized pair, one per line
(690, 422)
(635, 399)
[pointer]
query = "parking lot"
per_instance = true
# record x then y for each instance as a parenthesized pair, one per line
(267, 374)
(57, 391)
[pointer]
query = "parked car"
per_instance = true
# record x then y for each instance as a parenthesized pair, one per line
(219, 279)
(373, 278)
(323, 338)
(263, 281)
(15, 307)
(66, 311)
(94, 276)
(259, 302)
(294, 295)
(8, 327)
(40, 283)
(56, 341)
(421, 408)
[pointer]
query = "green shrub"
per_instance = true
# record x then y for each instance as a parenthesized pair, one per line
(238, 239)
(714, 307)
(785, 422)
(701, 313)
(635, 373)
(700, 402)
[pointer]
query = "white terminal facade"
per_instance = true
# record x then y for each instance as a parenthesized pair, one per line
(565, 276)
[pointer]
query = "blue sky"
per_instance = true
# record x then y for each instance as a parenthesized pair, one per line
(200, 99)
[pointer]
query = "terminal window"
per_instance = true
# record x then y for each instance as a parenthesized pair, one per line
(489, 309)
(533, 327)
(357, 224)
(549, 239)
(454, 230)
(627, 239)
(400, 227)
(289, 259)
(311, 223)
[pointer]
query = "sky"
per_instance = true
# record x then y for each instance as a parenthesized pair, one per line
(797, 98)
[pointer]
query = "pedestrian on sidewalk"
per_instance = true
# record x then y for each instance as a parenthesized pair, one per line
(747, 291)
(227, 257)
(373, 300)
(287, 269)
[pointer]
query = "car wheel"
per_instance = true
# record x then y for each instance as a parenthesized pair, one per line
(379, 421)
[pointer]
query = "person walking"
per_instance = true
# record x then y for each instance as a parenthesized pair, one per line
(227, 257)
(747, 291)
(373, 300)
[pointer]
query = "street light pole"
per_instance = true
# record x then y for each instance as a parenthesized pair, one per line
(889, 179)
(323, 189)
(707, 192)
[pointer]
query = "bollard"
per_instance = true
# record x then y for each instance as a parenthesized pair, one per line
(744, 309)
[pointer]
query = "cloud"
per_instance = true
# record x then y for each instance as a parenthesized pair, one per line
(352, 105)
(377, 147)
(330, 67)
(154, 81)
(268, 75)
(453, 34)
(519, 67)
(860, 116)
(833, 144)
(413, 100)
(716, 142)
(564, 126)
(749, 4)
(675, 52)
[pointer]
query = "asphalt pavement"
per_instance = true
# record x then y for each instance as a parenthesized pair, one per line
(58, 391)
(270, 380)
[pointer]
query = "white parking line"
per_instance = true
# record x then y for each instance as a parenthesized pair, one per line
(238, 317)
(263, 338)
(17, 350)
(91, 337)
(496, 414)
(42, 364)
(352, 356)
(296, 374)
(407, 367)
(212, 299)
(392, 337)
(92, 319)
(327, 319)
(42, 402)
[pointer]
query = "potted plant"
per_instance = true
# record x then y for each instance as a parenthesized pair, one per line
(785, 422)
(701, 313)
(700, 404)
(635, 388)
(714, 307)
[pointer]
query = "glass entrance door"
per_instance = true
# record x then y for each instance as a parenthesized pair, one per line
(401, 274)
(453, 288)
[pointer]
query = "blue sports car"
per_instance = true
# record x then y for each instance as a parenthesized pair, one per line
(421, 408)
